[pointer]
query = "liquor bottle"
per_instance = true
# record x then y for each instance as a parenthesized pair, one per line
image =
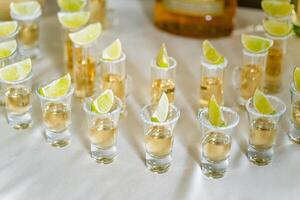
(195, 18)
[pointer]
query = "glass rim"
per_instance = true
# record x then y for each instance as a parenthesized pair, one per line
(213, 66)
(28, 77)
(253, 111)
(121, 59)
(148, 121)
(252, 54)
(69, 93)
(224, 109)
(284, 37)
(172, 66)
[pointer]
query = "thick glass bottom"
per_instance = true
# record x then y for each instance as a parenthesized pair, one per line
(20, 122)
(158, 165)
(58, 139)
(103, 156)
(214, 170)
(260, 158)
(294, 133)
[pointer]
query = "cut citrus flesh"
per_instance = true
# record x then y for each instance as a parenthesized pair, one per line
(113, 51)
(262, 104)
(215, 114)
(8, 28)
(73, 19)
(162, 59)
(86, 35)
(256, 44)
(17, 71)
(7, 48)
(162, 109)
(277, 8)
(28, 8)
(103, 103)
(297, 78)
(277, 28)
(71, 5)
(57, 88)
(211, 55)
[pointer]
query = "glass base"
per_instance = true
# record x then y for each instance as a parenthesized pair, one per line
(58, 139)
(33, 53)
(103, 156)
(214, 170)
(294, 134)
(158, 165)
(260, 158)
(20, 122)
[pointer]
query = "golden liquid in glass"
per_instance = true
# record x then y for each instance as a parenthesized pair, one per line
(211, 86)
(250, 79)
(29, 34)
(163, 85)
(18, 100)
(273, 70)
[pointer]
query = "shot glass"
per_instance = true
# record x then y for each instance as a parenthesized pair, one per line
(216, 143)
(103, 131)
(294, 131)
(18, 102)
(211, 83)
(29, 34)
(159, 138)
(163, 80)
(263, 131)
(57, 117)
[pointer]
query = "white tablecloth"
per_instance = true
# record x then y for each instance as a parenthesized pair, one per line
(31, 169)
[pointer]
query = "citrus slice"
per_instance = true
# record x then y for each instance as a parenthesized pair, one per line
(162, 59)
(113, 51)
(277, 28)
(297, 78)
(256, 44)
(262, 104)
(57, 88)
(71, 5)
(277, 8)
(7, 48)
(24, 9)
(73, 19)
(86, 35)
(8, 28)
(211, 55)
(162, 110)
(17, 71)
(215, 114)
(103, 103)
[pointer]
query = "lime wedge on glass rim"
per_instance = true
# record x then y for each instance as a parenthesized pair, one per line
(86, 35)
(27, 8)
(73, 19)
(7, 48)
(277, 8)
(256, 44)
(162, 59)
(210, 54)
(17, 71)
(8, 28)
(56, 88)
(215, 115)
(113, 51)
(296, 76)
(277, 28)
(262, 104)
(162, 109)
(103, 103)
(71, 5)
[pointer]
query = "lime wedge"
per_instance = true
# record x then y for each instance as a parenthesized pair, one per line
(277, 8)
(86, 35)
(103, 103)
(57, 88)
(256, 44)
(162, 110)
(17, 71)
(71, 5)
(277, 28)
(262, 104)
(211, 55)
(113, 51)
(297, 78)
(28, 8)
(8, 28)
(162, 59)
(73, 19)
(7, 48)
(215, 114)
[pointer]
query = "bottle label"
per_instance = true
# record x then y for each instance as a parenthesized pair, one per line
(195, 7)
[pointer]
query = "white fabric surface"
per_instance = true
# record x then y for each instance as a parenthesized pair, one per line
(30, 169)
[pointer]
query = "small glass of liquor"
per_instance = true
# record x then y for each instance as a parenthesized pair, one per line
(57, 117)
(294, 131)
(249, 77)
(18, 102)
(159, 138)
(103, 131)
(163, 81)
(263, 130)
(216, 143)
(28, 37)
(211, 83)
